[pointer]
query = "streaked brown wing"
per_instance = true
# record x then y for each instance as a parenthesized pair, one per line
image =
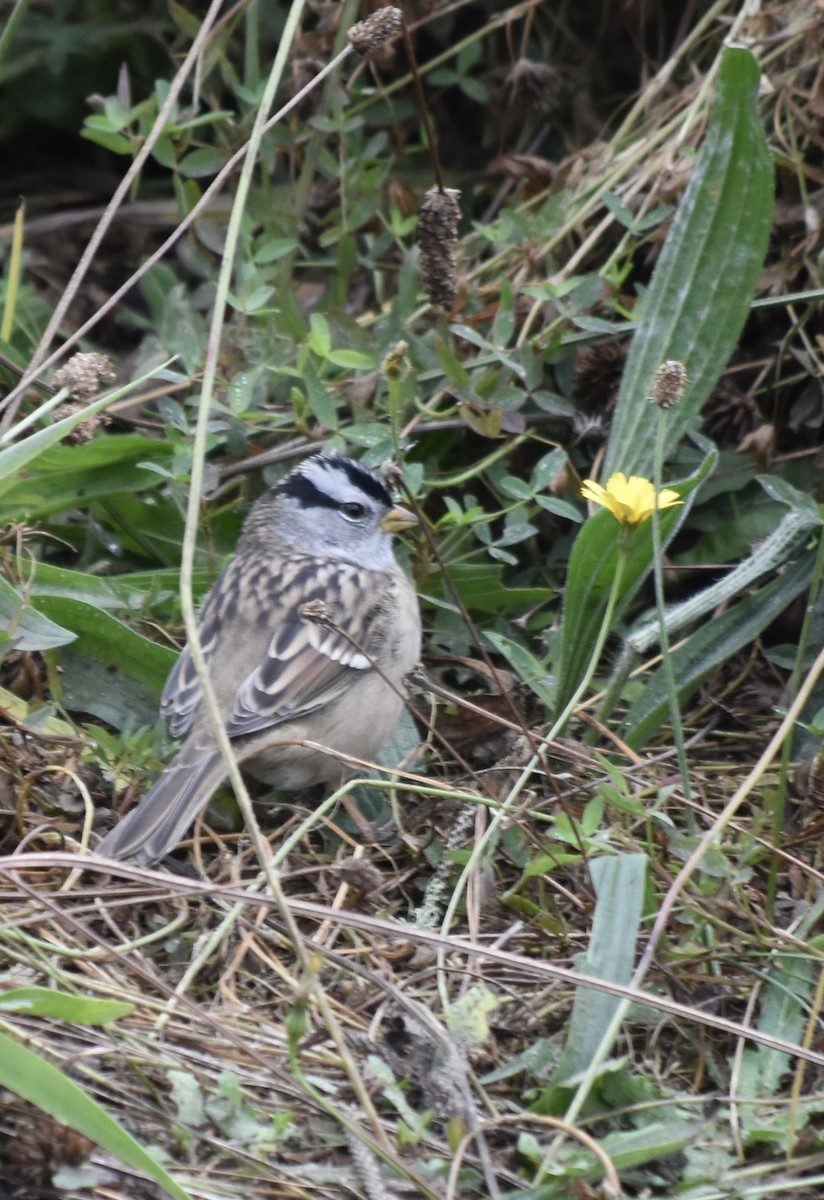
(307, 665)
(182, 691)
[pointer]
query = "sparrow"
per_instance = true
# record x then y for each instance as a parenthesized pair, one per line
(307, 634)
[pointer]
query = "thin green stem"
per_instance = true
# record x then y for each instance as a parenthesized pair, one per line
(11, 26)
(658, 576)
(187, 560)
(199, 456)
(13, 276)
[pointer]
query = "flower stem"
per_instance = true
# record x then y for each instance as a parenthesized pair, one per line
(666, 659)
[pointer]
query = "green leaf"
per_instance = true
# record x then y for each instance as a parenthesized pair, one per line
(240, 392)
(618, 209)
(182, 327)
(252, 301)
(785, 1001)
(116, 142)
(353, 360)
(561, 508)
(206, 161)
(779, 546)
(707, 271)
(321, 402)
(165, 152)
(467, 1021)
(138, 590)
(17, 456)
(37, 716)
(62, 477)
(24, 626)
(45, 1086)
(529, 668)
(481, 587)
(619, 886)
(117, 115)
(274, 249)
(517, 489)
(320, 339)
(187, 1098)
(45, 1002)
(110, 670)
(651, 1143)
(779, 489)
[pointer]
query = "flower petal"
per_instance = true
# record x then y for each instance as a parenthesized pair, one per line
(590, 490)
(631, 500)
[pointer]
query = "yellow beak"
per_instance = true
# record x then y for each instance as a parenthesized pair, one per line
(398, 519)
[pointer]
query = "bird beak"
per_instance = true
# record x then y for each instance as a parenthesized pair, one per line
(398, 519)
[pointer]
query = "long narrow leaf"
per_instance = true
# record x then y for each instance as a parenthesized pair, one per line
(44, 1085)
(109, 670)
(25, 627)
(705, 277)
(784, 1003)
(619, 884)
(62, 477)
(46, 1002)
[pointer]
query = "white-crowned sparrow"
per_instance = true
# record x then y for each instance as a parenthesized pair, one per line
(308, 634)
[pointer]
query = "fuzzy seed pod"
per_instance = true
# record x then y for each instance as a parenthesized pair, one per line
(84, 374)
(438, 240)
(669, 383)
(369, 35)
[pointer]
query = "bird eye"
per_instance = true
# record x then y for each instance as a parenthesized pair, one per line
(353, 510)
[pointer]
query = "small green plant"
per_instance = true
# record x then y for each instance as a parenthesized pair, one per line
(32, 1077)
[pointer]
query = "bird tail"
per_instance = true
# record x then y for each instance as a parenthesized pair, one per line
(163, 817)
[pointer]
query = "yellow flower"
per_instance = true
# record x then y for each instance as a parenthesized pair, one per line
(631, 501)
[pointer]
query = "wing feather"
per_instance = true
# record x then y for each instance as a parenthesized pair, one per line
(306, 664)
(309, 665)
(182, 692)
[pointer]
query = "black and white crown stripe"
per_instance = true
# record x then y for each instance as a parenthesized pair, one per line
(327, 481)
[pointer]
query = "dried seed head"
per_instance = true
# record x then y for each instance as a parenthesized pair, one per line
(391, 474)
(393, 364)
(669, 383)
(729, 414)
(599, 377)
(84, 374)
(438, 239)
(532, 82)
(369, 35)
(85, 430)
